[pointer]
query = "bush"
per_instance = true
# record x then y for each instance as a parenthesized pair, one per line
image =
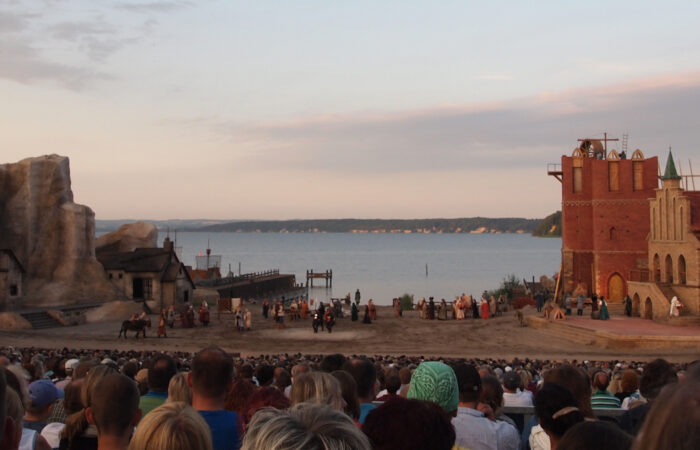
(406, 301)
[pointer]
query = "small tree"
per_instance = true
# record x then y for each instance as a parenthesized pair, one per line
(406, 301)
(507, 287)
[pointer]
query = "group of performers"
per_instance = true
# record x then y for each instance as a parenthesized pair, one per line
(370, 312)
(463, 307)
(323, 317)
(187, 317)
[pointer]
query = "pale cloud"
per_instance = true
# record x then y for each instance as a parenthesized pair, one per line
(154, 6)
(519, 133)
(495, 77)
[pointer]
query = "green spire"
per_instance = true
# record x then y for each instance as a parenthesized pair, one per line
(671, 173)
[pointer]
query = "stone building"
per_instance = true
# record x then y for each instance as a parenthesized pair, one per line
(673, 251)
(605, 217)
(11, 278)
(149, 274)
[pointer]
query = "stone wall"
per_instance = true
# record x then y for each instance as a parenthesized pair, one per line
(52, 236)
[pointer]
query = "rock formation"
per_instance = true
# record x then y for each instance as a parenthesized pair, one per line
(51, 236)
(128, 238)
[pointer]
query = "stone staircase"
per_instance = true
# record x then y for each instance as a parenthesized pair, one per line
(40, 320)
(569, 332)
(616, 309)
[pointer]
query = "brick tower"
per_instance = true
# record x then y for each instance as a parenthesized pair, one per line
(605, 217)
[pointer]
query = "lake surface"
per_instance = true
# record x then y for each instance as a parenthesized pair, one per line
(383, 266)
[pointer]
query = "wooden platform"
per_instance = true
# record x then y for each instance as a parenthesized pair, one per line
(620, 332)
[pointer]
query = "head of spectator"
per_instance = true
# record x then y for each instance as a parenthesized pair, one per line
(629, 382)
(392, 381)
(83, 367)
(264, 375)
(317, 387)
(76, 424)
(161, 370)
(239, 394)
(245, 371)
(485, 370)
(557, 410)
(298, 369)
(657, 374)
(595, 435)
(600, 381)
(262, 398)
(114, 410)
(348, 388)
(405, 375)
(365, 375)
(210, 379)
(42, 398)
(436, 382)
(492, 394)
(468, 385)
(511, 382)
(130, 369)
(577, 382)
(178, 390)
(14, 412)
(172, 426)
(409, 424)
(305, 426)
(282, 378)
(333, 362)
(674, 419)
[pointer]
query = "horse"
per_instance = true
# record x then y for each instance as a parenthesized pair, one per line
(138, 326)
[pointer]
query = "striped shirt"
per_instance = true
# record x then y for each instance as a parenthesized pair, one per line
(603, 399)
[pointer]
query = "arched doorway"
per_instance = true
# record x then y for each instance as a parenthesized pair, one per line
(681, 270)
(657, 268)
(635, 305)
(616, 288)
(648, 309)
(669, 269)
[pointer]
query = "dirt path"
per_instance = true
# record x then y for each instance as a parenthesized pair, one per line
(501, 337)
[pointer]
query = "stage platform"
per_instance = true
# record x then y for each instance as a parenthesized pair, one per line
(620, 332)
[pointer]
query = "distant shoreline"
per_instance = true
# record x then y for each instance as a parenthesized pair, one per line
(473, 225)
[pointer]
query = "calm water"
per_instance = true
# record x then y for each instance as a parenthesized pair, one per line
(383, 266)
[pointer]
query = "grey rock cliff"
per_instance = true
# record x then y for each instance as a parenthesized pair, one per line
(52, 236)
(128, 238)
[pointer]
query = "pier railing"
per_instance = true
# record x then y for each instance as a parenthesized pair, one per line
(235, 279)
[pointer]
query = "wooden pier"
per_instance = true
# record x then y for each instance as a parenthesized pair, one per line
(327, 275)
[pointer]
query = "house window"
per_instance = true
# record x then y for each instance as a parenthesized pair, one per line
(614, 175)
(120, 276)
(578, 179)
(142, 288)
(638, 175)
(111, 275)
(13, 290)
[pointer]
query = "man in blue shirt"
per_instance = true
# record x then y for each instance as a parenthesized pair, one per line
(365, 375)
(211, 379)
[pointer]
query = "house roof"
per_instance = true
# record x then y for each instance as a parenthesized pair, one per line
(157, 260)
(13, 256)
(670, 173)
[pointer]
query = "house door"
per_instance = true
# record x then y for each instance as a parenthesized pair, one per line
(137, 288)
(616, 288)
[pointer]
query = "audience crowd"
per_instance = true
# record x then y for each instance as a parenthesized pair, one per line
(214, 400)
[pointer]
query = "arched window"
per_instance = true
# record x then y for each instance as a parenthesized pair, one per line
(681, 224)
(657, 268)
(613, 233)
(681, 270)
(614, 175)
(669, 269)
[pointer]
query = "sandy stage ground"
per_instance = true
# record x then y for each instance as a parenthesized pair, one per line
(501, 337)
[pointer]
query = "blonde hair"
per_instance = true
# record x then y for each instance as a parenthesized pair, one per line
(306, 426)
(317, 387)
(172, 426)
(178, 389)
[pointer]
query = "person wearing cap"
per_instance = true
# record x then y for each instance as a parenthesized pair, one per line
(69, 367)
(42, 396)
(512, 395)
(474, 430)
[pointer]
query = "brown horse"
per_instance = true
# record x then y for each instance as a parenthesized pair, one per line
(138, 325)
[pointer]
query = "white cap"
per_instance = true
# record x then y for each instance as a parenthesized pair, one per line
(71, 364)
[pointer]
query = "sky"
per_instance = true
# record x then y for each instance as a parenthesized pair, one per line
(329, 109)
